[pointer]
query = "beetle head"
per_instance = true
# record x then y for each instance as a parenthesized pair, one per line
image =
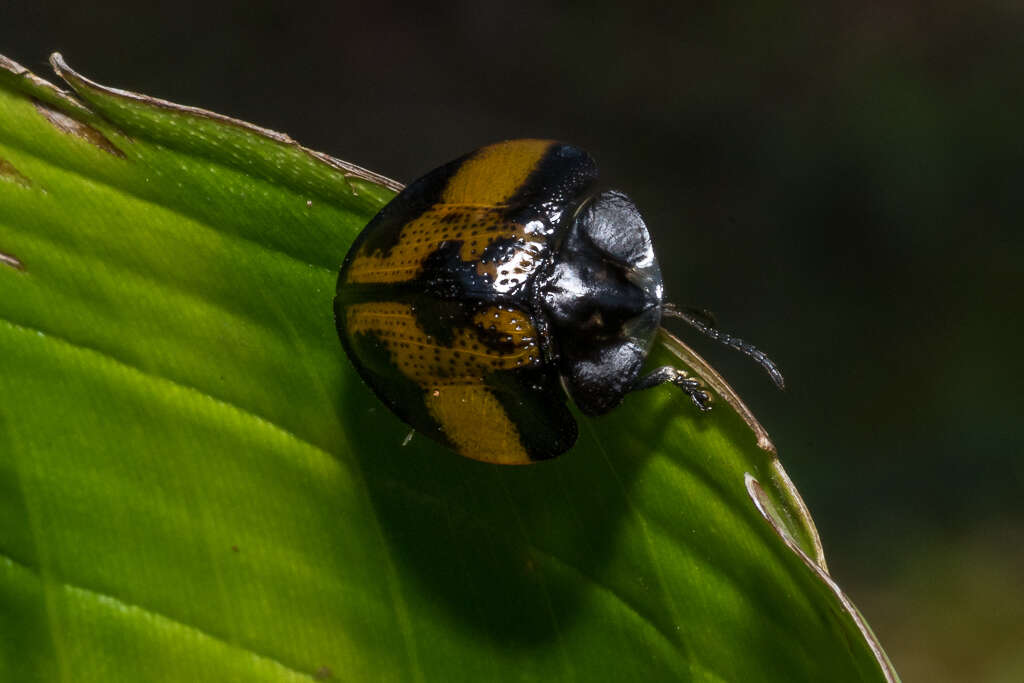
(603, 299)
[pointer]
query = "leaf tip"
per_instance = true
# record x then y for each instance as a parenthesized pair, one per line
(61, 68)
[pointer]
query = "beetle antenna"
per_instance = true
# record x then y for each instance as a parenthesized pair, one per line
(701, 314)
(703, 322)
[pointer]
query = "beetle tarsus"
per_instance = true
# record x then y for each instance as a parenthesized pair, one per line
(669, 375)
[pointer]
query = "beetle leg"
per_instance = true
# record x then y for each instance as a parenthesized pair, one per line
(668, 374)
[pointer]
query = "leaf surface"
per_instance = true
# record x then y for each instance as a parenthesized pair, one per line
(195, 485)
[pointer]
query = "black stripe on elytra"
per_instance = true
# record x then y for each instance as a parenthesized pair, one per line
(450, 291)
(446, 276)
(536, 405)
(559, 182)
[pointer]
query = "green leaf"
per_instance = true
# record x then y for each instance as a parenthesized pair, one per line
(195, 485)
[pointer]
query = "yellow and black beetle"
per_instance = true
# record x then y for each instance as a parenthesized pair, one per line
(492, 280)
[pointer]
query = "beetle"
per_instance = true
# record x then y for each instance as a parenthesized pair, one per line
(496, 286)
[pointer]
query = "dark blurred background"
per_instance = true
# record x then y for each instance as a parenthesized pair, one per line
(842, 184)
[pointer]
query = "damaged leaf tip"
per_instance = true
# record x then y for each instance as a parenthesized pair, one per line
(71, 126)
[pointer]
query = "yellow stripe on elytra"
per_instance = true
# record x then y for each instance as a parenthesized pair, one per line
(477, 424)
(494, 174)
(452, 377)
